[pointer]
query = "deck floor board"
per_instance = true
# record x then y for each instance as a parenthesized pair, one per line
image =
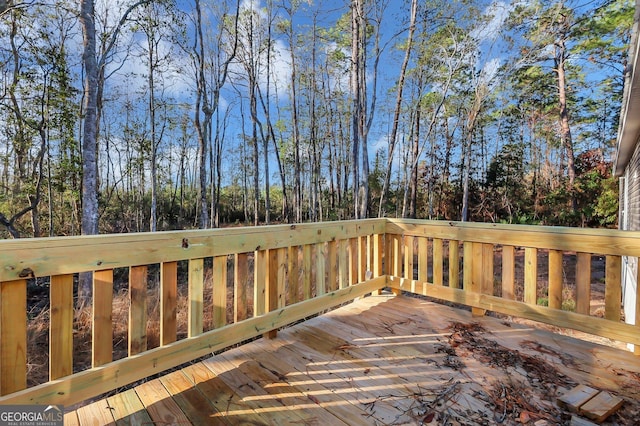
(384, 360)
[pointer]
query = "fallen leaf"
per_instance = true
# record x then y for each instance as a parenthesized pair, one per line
(367, 371)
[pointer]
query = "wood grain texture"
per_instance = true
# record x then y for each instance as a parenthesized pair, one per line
(61, 327)
(102, 319)
(195, 320)
(219, 282)
(168, 302)
(13, 336)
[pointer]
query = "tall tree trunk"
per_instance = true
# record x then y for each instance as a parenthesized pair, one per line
(398, 105)
(565, 129)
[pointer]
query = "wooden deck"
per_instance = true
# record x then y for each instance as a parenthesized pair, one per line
(382, 360)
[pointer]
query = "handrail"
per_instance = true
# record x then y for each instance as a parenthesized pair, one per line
(470, 250)
(285, 273)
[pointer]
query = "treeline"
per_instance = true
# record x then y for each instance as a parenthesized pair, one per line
(161, 114)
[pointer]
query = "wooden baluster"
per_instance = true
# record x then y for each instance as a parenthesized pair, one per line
(423, 264)
(240, 285)
(487, 269)
(530, 275)
(320, 269)
(408, 260)
(138, 280)
(281, 255)
(196, 297)
(613, 288)
(477, 275)
(332, 266)
(467, 265)
(261, 274)
(555, 279)
(509, 272)
(168, 302)
(13, 336)
(102, 323)
(61, 328)
(293, 274)
(583, 283)
(454, 264)
(437, 261)
(220, 294)
(271, 287)
(306, 273)
(343, 264)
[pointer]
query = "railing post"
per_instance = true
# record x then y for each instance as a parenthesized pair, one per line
(168, 302)
(138, 309)
(196, 297)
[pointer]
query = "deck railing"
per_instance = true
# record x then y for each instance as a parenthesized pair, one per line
(241, 283)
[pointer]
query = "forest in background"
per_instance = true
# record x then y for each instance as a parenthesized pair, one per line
(128, 116)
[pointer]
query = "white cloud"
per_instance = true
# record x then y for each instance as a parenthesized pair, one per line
(495, 15)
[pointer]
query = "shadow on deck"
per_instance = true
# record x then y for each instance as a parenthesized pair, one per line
(383, 360)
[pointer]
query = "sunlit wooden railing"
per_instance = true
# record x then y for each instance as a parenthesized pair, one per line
(456, 262)
(276, 275)
(241, 283)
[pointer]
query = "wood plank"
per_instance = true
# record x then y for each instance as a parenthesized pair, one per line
(321, 262)
(601, 406)
(229, 406)
(279, 363)
(272, 409)
(579, 421)
(195, 322)
(396, 255)
(423, 258)
(102, 322)
(354, 258)
(531, 275)
(307, 273)
(332, 265)
(97, 413)
(509, 272)
(159, 405)
(71, 419)
(438, 261)
(576, 397)
(343, 264)
(127, 409)
(13, 336)
(88, 253)
(583, 283)
(408, 257)
(191, 401)
(219, 283)
(168, 302)
(613, 288)
(261, 275)
(467, 266)
(271, 290)
(277, 388)
(137, 327)
(61, 327)
(477, 275)
(454, 264)
(293, 274)
(556, 279)
(240, 286)
(281, 276)
(487, 269)
(363, 257)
